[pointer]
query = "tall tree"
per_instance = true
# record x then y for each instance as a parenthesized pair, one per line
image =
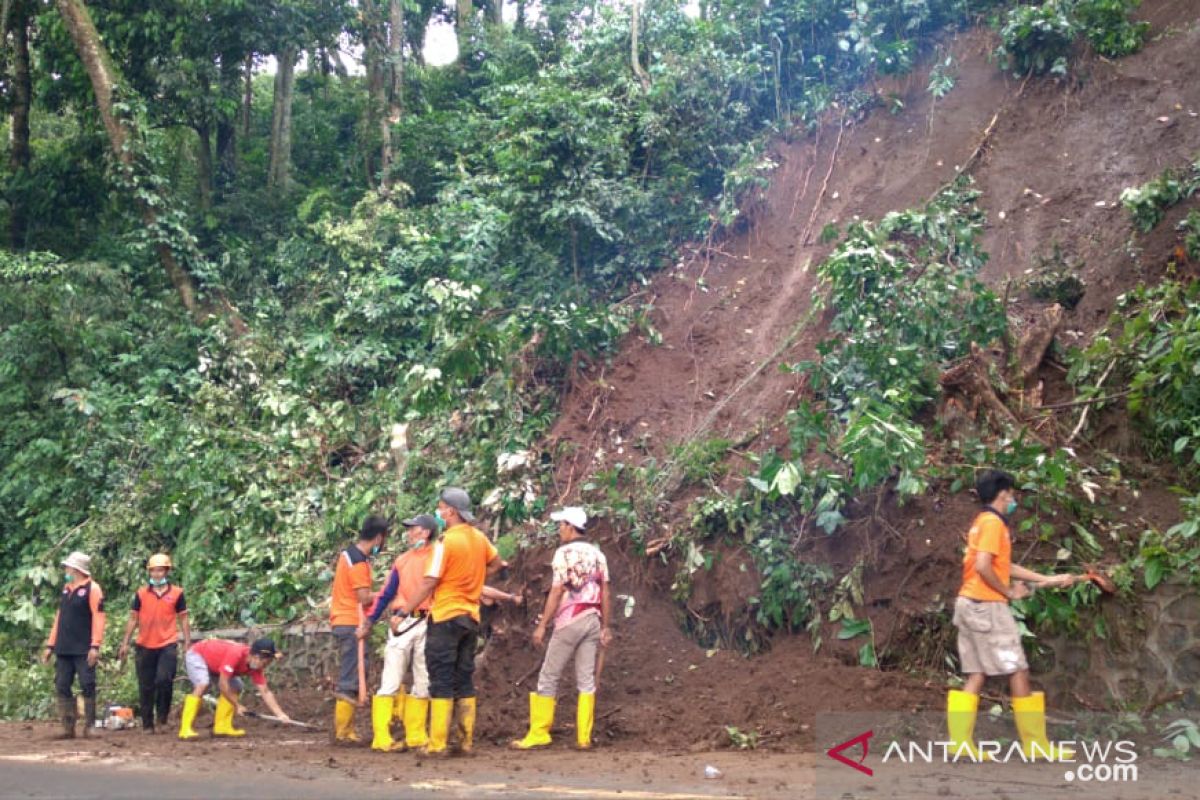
(464, 13)
(395, 88)
(635, 25)
(122, 134)
(22, 98)
(279, 170)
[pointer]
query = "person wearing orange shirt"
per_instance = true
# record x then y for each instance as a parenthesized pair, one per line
(989, 642)
(458, 565)
(406, 644)
(350, 598)
(75, 640)
(158, 610)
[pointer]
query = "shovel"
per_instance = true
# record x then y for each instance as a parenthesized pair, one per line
(268, 717)
(1095, 575)
(273, 718)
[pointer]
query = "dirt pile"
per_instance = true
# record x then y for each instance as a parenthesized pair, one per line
(1051, 159)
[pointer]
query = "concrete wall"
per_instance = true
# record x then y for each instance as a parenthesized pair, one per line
(1148, 653)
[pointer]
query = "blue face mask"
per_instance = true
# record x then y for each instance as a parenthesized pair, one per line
(375, 550)
(69, 576)
(1010, 508)
(158, 581)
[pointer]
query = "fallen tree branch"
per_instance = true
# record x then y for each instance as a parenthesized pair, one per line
(1086, 402)
(1083, 417)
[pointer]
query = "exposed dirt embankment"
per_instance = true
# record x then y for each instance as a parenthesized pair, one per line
(1051, 159)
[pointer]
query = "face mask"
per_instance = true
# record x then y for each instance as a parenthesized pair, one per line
(158, 581)
(440, 521)
(375, 550)
(70, 578)
(1011, 507)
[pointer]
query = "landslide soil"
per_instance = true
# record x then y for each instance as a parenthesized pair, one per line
(1051, 159)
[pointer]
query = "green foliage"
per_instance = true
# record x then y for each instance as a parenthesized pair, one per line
(1183, 736)
(742, 740)
(1190, 227)
(942, 77)
(1055, 279)
(1108, 28)
(701, 460)
(1148, 204)
(906, 300)
(1038, 38)
(1153, 341)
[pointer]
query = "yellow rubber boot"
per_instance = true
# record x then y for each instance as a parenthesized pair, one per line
(441, 709)
(961, 709)
(382, 708)
(541, 717)
(343, 722)
(398, 705)
(191, 705)
(416, 710)
(1029, 713)
(585, 716)
(223, 719)
(464, 724)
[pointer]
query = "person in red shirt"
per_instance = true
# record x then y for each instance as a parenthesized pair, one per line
(159, 609)
(406, 644)
(350, 597)
(228, 661)
(75, 640)
(989, 642)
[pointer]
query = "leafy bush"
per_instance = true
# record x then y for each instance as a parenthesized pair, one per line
(1038, 38)
(1153, 341)
(1107, 26)
(1148, 204)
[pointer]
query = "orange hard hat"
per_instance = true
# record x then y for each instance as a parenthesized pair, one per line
(159, 560)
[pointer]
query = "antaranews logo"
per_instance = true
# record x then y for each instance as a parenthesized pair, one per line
(1084, 761)
(862, 739)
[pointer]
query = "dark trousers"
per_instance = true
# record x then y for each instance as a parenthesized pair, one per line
(65, 670)
(347, 643)
(156, 681)
(450, 657)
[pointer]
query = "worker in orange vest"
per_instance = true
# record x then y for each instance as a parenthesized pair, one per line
(159, 610)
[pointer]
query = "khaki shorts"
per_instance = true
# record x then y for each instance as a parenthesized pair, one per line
(988, 639)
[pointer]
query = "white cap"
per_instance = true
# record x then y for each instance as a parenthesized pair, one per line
(575, 516)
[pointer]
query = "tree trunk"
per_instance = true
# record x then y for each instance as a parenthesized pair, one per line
(463, 18)
(634, 26)
(122, 139)
(396, 60)
(395, 90)
(226, 153)
(279, 170)
(204, 166)
(248, 96)
(520, 23)
(375, 34)
(496, 12)
(22, 96)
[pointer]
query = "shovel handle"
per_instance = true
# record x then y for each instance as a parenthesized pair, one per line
(362, 663)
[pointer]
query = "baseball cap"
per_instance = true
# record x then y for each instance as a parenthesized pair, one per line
(264, 648)
(459, 500)
(575, 516)
(426, 521)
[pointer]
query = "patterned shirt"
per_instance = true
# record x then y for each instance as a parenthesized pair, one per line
(582, 570)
